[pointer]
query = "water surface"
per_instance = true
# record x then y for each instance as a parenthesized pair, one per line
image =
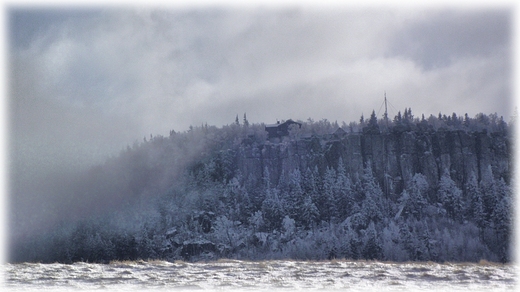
(264, 275)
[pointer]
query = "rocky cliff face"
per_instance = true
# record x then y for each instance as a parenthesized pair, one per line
(396, 155)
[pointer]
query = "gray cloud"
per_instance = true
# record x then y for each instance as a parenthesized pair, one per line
(447, 35)
(86, 83)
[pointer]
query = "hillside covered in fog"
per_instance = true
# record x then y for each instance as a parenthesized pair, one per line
(407, 188)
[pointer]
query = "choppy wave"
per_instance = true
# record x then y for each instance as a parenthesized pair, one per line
(265, 275)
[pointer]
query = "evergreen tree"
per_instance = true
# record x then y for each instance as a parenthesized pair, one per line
(501, 218)
(317, 187)
(428, 241)
(256, 221)
(417, 195)
(372, 248)
(398, 118)
(476, 206)
(455, 121)
(309, 213)
(488, 192)
(288, 228)
(451, 196)
(266, 179)
(283, 185)
(227, 232)
(343, 191)
(404, 209)
(502, 189)
(372, 123)
(255, 190)
(246, 204)
(246, 122)
(370, 209)
(310, 183)
(295, 195)
(372, 206)
(466, 122)
(355, 244)
(231, 201)
(273, 210)
(391, 243)
(329, 211)
(196, 190)
(407, 240)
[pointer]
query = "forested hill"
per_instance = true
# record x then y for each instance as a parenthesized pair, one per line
(427, 189)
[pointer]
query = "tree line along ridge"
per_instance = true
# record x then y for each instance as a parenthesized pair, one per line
(405, 189)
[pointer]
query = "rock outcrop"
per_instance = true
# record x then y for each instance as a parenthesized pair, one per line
(396, 155)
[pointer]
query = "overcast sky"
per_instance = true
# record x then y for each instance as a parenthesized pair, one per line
(83, 83)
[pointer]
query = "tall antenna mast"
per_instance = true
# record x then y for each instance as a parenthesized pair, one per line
(386, 112)
(385, 160)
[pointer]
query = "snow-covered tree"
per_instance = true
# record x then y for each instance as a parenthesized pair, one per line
(189, 186)
(391, 243)
(407, 240)
(256, 221)
(266, 179)
(417, 192)
(501, 219)
(273, 210)
(246, 122)
(295, 195)
(372, 123)
(329, 211)
(309, 212)
(310, 186)
(343, 191)
(372, 248)
(228, 232)
(288, 228)
(475, 207)
(372, 205)
(488, 191)
(355, 244)
(451, 196)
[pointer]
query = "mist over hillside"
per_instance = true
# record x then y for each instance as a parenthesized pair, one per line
(434, 188)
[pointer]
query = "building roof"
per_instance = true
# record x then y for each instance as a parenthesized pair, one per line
(289, 121)
(339, 131)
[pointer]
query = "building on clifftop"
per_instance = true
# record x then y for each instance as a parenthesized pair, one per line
(280, 130)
